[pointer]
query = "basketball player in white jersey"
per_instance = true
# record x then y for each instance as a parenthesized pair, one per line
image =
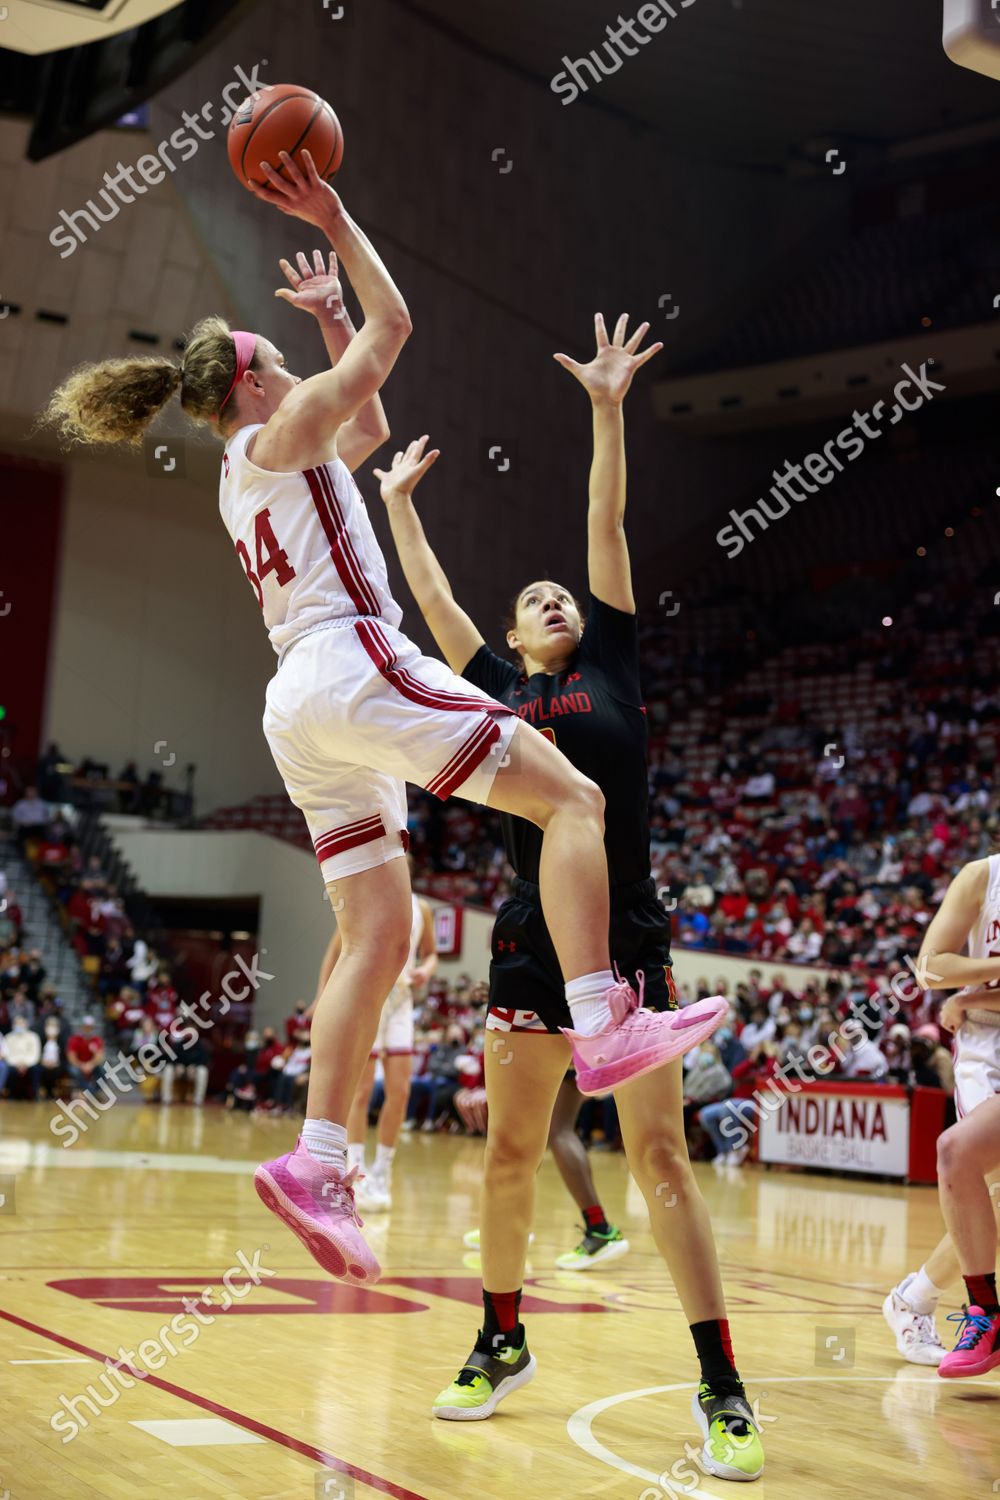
(354, 710)
(394, 1044)
(969, 916)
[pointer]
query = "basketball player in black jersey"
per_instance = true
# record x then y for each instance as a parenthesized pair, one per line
(578, 682)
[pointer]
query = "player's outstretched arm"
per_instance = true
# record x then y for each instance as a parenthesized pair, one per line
(456, 635)
(941, 965)
(317, 289)
(606, 380)
(298, 435)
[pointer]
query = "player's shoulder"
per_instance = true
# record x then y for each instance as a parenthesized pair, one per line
(974, 877)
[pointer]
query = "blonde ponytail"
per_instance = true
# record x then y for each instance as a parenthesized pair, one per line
(115, 400)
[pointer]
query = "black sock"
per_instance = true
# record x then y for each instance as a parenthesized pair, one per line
(983, 1292)
(502, 1312)
(715, 1354)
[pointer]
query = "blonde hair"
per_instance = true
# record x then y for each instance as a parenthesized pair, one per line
(115, 400)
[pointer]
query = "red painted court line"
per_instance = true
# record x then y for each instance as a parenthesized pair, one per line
(329, 1460)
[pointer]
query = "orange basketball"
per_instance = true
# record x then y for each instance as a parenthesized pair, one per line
(283, 117)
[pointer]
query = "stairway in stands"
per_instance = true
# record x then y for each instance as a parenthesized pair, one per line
(42, 931)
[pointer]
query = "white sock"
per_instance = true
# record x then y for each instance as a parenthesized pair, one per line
(383, 1160)
(326, 1143)
(356, 1154)
(919, 1292)
(588, 1006)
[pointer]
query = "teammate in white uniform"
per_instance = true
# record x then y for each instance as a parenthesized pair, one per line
(394, 1045)
(969, 916)
(354, 709)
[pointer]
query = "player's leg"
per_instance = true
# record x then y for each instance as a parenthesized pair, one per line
(311, 1189)
(522, 1080)
(447, 737)
(357, 1116)
(651, 1114)
(966, 1155)
(601, 1241)
(539, 783)
(376, 1192)
(910, 1307)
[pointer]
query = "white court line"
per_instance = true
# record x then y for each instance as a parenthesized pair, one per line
(48, 1361)
(581, 1422)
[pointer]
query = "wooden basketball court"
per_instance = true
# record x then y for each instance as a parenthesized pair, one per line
(303, 1389)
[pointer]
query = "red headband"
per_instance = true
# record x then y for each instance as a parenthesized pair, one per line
(245, 343)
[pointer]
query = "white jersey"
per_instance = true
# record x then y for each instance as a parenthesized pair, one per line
(984, 940)
(305, 542)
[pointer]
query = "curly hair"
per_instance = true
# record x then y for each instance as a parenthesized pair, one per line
(115, 400)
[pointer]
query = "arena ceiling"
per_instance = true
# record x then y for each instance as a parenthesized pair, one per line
(749, 82)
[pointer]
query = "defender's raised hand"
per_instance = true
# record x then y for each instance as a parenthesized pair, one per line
(316, 288)
(407, 470)
(609, 374)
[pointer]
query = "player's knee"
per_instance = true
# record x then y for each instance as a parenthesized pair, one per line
(510, 1157)
(657, 1160)
(382, 951)
(950, 1152)
(581, 796)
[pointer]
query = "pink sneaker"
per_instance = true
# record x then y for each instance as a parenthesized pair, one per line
(317, 1204)
(638, 1040)
(978, 1347)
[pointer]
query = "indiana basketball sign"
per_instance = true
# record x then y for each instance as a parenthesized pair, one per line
(972, 35)
(863, 1131)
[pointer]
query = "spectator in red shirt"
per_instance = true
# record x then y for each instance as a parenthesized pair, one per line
(297, 1022)
(85, 1055)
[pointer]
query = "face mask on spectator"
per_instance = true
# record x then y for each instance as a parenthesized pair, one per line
(723, 1035)
(805, 1013)
(705, 1059)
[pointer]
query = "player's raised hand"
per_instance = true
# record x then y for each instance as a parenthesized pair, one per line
(315, 288)
(407, 470)
(303, 194)
(609, 374)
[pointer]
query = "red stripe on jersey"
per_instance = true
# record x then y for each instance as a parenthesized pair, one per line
(465, 761)
(332, 520)
(377, 645)
(348, 836)
(346, 543)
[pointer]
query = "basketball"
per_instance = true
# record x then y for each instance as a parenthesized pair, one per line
(283, 117)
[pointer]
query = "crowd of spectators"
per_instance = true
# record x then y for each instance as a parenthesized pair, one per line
(825, 847)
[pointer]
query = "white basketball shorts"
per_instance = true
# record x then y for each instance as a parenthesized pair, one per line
(394, 1037)
(353, 712)
(977, 1065)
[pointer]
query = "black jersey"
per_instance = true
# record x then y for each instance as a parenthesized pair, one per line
(593, 711)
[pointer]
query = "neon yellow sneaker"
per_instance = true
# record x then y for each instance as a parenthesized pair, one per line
(594, 1248)
(733, 1449)
(492, 1371)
